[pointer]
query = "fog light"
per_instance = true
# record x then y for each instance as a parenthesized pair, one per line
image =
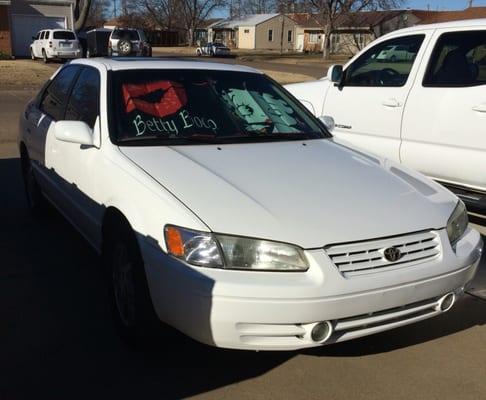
(446, 302)
(321, 331)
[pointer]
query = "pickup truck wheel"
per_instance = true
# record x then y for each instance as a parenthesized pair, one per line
(131, 303)
(36, 201)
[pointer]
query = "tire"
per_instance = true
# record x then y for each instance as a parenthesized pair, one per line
(124, 47)
(198, 52)
(132, 307)
(36, 202)
(44, 57)
(32, 54)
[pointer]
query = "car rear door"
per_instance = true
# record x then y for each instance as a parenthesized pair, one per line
(368, 107)
(444, 124)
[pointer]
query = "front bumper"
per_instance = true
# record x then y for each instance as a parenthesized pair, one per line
(276, 311)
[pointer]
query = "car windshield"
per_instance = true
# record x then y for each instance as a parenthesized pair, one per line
(205, 106)
(64, 35)
(127, 34)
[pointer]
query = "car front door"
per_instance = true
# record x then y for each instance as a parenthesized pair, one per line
(367, 106)
(74, 163)
(444, 125)
(41, 118)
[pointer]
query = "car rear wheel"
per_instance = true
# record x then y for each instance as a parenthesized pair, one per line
(131, 303)
(32, 54)
(36, 201)
(44, 57)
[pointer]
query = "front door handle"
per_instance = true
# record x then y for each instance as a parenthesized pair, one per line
(391, 103)
(480, 108)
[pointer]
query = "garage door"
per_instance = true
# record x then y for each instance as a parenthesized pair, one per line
(26, 26)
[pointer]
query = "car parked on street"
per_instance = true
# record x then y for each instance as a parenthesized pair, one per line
(428, 114)
(58, 44)
(213, 49)
(222, 207)
(396, 53)
(128, 42)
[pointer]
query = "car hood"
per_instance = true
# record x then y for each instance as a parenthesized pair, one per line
(310, 193)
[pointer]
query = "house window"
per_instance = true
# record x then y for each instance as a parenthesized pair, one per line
(246, 31)
(314, 37)
(270, 35)
(289, 36)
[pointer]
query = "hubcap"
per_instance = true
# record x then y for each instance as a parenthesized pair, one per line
(124, 291)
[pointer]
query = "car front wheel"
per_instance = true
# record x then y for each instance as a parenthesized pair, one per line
(131, 303)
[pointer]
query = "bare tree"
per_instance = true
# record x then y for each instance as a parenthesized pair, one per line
(331, 11)
(194, 12)
(98, 12)
(81, 11)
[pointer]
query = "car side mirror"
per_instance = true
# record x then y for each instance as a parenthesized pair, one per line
(335, 73)
(74, 132)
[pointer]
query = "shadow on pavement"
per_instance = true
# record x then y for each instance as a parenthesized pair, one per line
(57, 337)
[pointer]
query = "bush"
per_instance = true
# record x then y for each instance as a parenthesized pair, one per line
(4, 56)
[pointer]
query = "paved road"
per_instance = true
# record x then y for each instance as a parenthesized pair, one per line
(57, 339)
(312, 69)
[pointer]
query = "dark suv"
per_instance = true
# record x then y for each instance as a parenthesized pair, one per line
(128, 42)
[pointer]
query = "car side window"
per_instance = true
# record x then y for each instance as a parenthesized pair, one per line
(37, 36)
(83, 103)
(47, 34)
(458, 60)
(387, 64)
(55, 97)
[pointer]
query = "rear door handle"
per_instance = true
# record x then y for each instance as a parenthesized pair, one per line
(391, 103)
(480, 108)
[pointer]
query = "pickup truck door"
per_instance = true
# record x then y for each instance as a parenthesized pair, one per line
(73, 163)
(367, 107)
(444, 124)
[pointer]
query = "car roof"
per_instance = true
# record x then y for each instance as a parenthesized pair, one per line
(130, 63)
(466, 23)
(57, 30)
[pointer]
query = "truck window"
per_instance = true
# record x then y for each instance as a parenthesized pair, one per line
(388, 64)
(458, 60)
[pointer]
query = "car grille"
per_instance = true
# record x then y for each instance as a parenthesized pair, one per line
(358, 258)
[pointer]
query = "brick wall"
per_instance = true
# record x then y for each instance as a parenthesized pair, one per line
(5, 44)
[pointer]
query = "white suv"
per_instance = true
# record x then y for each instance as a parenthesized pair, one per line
(55, 44)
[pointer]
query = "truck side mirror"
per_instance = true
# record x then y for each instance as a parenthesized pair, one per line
(335, 73)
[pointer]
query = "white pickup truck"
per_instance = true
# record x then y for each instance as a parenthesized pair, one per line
(426, 110)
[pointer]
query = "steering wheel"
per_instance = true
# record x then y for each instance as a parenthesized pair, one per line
(387, 74)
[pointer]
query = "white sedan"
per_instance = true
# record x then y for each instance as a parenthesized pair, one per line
(223, 208)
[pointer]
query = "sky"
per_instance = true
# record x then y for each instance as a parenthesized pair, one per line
(442, 4)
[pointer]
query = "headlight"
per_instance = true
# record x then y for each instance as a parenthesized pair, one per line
(457, 224)
(233, 252)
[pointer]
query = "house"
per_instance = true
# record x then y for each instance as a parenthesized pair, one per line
(309, 32)
(256, 31)
(204, 33)
(22, 19)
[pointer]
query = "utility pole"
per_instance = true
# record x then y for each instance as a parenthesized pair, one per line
(470, 3)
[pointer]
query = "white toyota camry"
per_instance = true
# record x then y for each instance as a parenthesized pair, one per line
(223, 208)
